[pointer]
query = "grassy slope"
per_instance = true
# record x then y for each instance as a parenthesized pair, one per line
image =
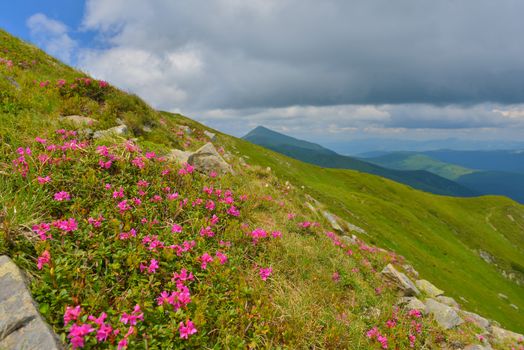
(292, 147)
(416, 161)
(438, 234)
(301, 307)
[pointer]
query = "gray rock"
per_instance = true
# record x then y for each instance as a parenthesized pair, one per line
(448, 301)
(78, 120)
(478, 347)
(445, 315)
(179, 156)
(412, 303)
(117, 130)
(478, 320)
(503, 296)
(410, 269)
(514, 306)
(206, 159)
(311, 207)
(185, 129)
(13, 82)
(503, 335)
(407, 287)
(332, 219)
(212, 136)
(354, 228)
(428, 288)
(21, 326)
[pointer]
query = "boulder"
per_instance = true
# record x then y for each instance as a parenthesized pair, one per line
(206, 159)
(478, 347)
(428, 288)
(445, 315)
(117, 130)
(21, 326)
(448, 301)
(332, 220)
(412, 303)
(13, 82)
(212, 136)
(78, 120)
(410, 269)
(478, 320)
(179, 156)
(503, 335)
(407, 287)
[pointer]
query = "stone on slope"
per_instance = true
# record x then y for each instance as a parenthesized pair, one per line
(21, 326)
(332, 220)
(117, 130)
(206, 159)
(448, 301)
(478, 347)
(445, 315)
(476, 319)
(412, 303)
(504, 335)
(428, 288)
(407, 287)
(179, 156)
(79, 120)
(212, 136)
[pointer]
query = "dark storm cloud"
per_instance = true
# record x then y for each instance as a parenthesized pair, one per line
(299, 52)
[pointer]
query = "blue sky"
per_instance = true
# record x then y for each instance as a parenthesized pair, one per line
(412, 70)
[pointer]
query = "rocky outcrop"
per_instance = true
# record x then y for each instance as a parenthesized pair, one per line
(406, 286)
(478, 320)
(445, 315)
(503, 335)
(178, 155)
(212, 136)
(78, 120)
(428, 288)
(21, 326)
(448, 301)
(117, 130)
(412, 303)
(478, 347)
(332, 219)
(206, 160)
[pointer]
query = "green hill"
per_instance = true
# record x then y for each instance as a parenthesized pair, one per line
(103, 224)
(509, 184)
(418, 161)
(318, 155)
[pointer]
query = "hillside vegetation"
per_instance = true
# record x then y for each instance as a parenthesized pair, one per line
(126, 248)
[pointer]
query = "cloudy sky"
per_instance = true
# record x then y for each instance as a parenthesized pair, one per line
(322, 70)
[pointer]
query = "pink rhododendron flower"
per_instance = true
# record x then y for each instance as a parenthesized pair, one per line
(123, 206)
(62, 196)
(205, 259)
(210, 205)
(415, 313)
(233, 211)
(207, 232)
(43, 180)
(132, 318)
(42, 229)
(265, 273)
(186, 329)
(221, 257)
(276, 234)
(176, 228)
(43, 259)
(150, 155)
(182, 276)
(40, 140)
(77, 334)
(153, 266)
(71, 314)
(335, 277)
(96, 222)
(122, 344)
(213, 174)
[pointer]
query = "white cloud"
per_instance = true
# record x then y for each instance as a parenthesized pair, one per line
(52, 36)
